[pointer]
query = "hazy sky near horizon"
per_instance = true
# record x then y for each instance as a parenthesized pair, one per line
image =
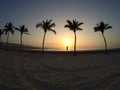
(30, 12)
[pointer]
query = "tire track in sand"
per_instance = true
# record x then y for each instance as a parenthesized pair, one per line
(19, 68)
(29, 82)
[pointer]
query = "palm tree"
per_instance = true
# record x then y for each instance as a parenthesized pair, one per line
(8, 28)
(1, 32)
(102, 27)
(23, 30)
(74, 26)
(46, 26)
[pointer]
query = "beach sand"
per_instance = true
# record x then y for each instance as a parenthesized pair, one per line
(22, 70)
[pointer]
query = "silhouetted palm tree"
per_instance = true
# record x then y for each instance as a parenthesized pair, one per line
(46, 26)
(8, 28)
(74, 26)
(102, 27)
(1, 32)
(23, 30)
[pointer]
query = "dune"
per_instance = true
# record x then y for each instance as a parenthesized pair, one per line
(26, 70)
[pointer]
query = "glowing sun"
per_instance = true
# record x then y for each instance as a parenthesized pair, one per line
(67, 43)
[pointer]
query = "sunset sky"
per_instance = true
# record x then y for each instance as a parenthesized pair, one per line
(30, 12)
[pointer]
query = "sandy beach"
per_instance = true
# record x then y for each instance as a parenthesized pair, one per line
(22, 70)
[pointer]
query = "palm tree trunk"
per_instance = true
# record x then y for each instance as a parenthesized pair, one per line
(7, 37)
(105, 43)
(75, 43)
(43, 42)
(21, 39)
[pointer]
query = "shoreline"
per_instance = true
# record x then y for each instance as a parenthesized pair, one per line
(116, 50)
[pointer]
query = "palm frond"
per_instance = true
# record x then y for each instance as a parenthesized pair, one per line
(80, 23)
(69, 22)
(74, 22)
(52, 31)
(73, 25)
(79, 29)
(22, 29)
(17, 29)
(109, 27)
(67, 26)
(52, 25)
(96, 29)
(49, 21)
(106, 25)
(39, 25)
(9, 28)
(46, 25)
(102, 27)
